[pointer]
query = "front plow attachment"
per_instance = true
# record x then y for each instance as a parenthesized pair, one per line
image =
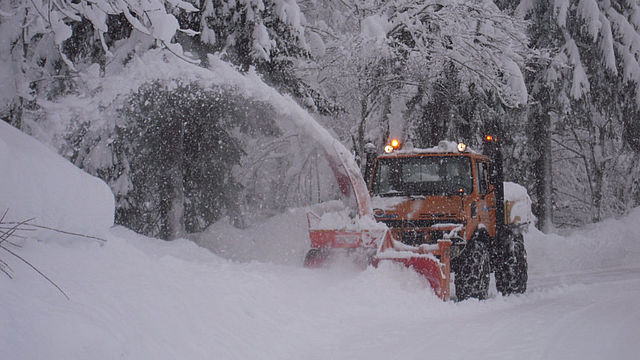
(430, 261)
(365, 236)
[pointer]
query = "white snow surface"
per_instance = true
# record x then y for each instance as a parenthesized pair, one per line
(37, 183)
(243, 294)
(521, 203)
(375, 27)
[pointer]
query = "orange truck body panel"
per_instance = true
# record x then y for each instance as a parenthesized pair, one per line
(431, 214)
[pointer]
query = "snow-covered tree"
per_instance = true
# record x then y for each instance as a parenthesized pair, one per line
(588, 100)
(172, 158)
(180, 154)
(268, 35)
(45, 44)
(387, 60)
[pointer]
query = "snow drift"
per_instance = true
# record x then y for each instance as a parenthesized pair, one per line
(37, 183)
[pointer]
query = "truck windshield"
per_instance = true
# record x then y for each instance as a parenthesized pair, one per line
(422, 175)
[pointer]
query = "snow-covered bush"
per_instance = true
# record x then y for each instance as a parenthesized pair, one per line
(173, 155)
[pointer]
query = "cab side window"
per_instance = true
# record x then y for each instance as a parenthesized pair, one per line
(483, 178)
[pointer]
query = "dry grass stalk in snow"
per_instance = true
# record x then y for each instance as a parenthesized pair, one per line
(9, 230)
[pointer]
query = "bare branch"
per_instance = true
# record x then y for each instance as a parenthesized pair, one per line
(6, 272)
(580, 200)
(562, 145)
(14, 244)
(181, 57)
(5, 235)
(6, 269)
(18, 229)
(36, 270)
(60, 231)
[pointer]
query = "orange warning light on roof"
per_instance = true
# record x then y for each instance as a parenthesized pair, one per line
(395, 143)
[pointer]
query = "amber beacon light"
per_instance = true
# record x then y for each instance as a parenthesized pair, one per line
(394, 144)
(490, 138)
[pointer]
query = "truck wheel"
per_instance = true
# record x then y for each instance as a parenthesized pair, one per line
(316, 257)
(472, 271)
(511, 273)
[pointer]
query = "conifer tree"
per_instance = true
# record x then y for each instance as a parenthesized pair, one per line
(585, 95)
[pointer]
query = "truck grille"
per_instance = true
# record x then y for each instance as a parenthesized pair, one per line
(439, 215)
(394, 224)
(415, 232)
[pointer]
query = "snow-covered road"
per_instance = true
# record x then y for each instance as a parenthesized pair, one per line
(139, 298)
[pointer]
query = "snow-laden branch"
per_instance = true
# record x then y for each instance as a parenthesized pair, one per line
(489, 47)
(151, 17)
(610, 29)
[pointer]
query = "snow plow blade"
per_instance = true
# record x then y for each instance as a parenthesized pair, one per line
(430, 261)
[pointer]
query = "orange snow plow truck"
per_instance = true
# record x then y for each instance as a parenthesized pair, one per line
(440, 211)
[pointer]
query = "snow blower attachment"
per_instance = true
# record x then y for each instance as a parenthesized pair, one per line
(438, 211)
(369, 241)
(371, 245)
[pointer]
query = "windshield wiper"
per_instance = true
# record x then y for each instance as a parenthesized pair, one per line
(392, 193)
(417, 197)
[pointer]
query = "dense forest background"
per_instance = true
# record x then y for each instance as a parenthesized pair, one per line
(558, 81)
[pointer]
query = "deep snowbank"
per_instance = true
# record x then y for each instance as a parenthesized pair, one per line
(37, 183)
(609, 244)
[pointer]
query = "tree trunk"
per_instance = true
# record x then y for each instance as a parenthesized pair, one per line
(598, 166)
(358, 141)
(543, 173)
(175, 216)
(172, 207)
(596, 196)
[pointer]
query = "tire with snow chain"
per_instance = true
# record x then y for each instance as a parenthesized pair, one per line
(316, 257)
(511, 272)
(472, 271)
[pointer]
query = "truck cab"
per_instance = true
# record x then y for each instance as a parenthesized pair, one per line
(423, 194)
(450, 192)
